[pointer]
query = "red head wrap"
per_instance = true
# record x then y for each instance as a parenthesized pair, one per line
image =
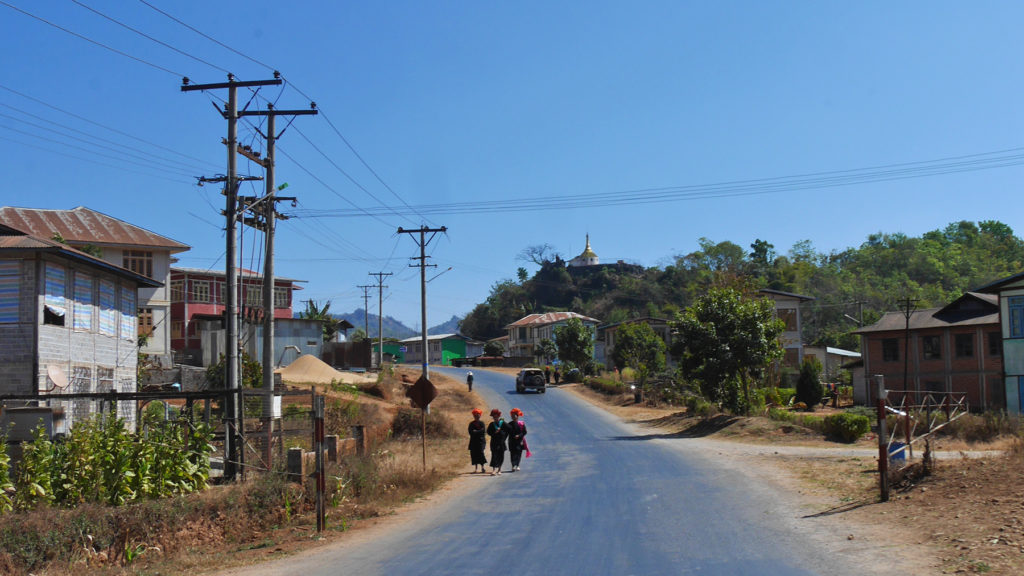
(495, 412)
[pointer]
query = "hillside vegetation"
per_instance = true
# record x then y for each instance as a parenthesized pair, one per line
(865, 281)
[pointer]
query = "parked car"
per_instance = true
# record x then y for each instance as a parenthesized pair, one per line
(530, 378)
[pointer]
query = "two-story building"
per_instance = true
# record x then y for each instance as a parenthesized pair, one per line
(609, 332)
(121, 244)
(68, 324)
(524, 334)
(956, 348)
(198, 302)
(1010, 292)
(787, 309)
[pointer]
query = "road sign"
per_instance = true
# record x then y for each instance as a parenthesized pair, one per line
(422, 393)
(403, 348)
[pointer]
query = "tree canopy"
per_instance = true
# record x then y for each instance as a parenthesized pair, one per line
(575, 342)
(724, 339)
(640, 348)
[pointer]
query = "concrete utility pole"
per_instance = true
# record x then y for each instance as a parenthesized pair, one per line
(908, 311)
(268, 211)
(380, 316)
(423, 241)
(366, 314)
(232, 421)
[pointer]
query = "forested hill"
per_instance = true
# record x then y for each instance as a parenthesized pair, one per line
(871, 279)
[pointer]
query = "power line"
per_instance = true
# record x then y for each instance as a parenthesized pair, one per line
(104, 126)
(148, 37)
(90, 40)
(817, 180)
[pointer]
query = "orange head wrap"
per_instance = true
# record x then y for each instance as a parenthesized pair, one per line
(477, 411)
(516, 412)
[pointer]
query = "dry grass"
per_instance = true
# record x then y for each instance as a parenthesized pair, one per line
(266, 516)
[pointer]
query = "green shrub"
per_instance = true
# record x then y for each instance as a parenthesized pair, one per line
(781, 415)
(846, 427)
(809, 421)
(785, 395)
(606, 386)
(408, 423)
(808, 387)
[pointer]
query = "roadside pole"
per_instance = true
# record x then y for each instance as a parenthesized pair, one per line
(883, 443)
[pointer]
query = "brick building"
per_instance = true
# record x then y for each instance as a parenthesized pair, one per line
(956, 348)
(68, 324)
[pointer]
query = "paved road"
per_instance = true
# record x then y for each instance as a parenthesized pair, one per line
(597, 497)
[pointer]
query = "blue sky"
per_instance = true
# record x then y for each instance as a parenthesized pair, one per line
(569, 108)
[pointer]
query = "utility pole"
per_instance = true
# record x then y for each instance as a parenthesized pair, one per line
(366, 316)
(422, 242)
(908, 310)
(380, 316)
(232, 421)
(269, 213)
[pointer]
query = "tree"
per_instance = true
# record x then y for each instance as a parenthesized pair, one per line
(545, 350)
(522, 274)
(575, 342)
(538, 254)
(315, 312)
(494, 348)
(723, 340)
(640, 348)
(358, 335)
(808, 386)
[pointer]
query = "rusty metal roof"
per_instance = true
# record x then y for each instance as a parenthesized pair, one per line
(84, 226)
(21, 242)
(971, 309)
(549, 318)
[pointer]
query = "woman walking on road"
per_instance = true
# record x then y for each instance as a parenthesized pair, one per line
(516, 438)
(498, 431)
(477, 441)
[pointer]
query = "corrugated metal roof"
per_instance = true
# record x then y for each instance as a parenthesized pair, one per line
(800, 297)
(550, 318)
(415, 339)
(245, 273)
(32, 243)
(84, 226)
(924, 319)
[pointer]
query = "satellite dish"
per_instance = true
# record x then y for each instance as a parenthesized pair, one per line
(56, 376)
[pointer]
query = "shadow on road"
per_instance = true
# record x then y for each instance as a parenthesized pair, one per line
(699, 430)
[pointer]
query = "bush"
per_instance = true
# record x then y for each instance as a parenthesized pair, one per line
(408, 423)
(781, 415)
(808, 386)
(606, 386)
(846, 427)
(785, 395)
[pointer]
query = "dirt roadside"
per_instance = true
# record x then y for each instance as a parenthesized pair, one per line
(968, 517)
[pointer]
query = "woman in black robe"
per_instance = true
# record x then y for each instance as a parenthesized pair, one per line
(516, 438)
(498, 431)
(477, 441)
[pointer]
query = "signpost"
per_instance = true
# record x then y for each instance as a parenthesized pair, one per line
(422, 393)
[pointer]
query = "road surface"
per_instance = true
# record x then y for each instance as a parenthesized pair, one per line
(597, 497)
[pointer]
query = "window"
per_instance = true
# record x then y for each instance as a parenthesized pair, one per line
(522, 334)
(253, 296)
(138, 261)
(995, 341)
(128, 313)
(890, 350)
(10, 290)
(145, 321)
(177, 291)
(1015, 309)
(788, 315)
(280, 297)
(104, 379)
(220, 295)
(200, 291)
(964, 345)
(931, 347)
(53, 308)
(83, 302)
(108, 312)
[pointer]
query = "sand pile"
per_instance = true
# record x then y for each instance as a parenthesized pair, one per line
(308, 369)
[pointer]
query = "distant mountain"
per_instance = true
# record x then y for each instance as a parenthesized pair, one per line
(449, 327)
(393, 328)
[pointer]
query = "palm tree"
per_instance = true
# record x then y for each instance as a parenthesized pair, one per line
(315, 312)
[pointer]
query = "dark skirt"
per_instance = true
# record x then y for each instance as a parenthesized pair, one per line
(476, 454)
(497, 458)
(515, 456)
